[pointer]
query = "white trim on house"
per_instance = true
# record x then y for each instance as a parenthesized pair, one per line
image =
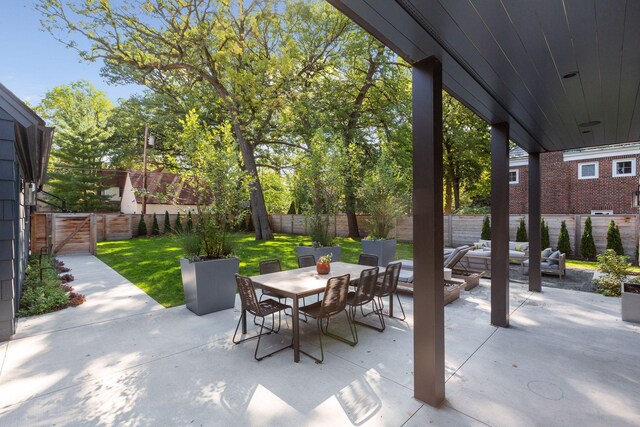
(614, 168)
(597, 170)
(600, 153)
(602, 212)
(518, 162)
(517, 181)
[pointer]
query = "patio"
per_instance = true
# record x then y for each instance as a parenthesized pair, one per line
(121, 359)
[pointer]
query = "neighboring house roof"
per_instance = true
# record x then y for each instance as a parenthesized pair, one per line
(163, 188)
(518, 157)
(517, 152)
(115, 178)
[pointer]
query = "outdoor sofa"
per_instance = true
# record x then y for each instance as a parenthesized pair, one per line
(478, 260)
(550, 263)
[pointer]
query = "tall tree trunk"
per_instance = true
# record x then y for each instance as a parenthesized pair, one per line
(350, 206)
(456, 192)
(259, 213)
(448, 196)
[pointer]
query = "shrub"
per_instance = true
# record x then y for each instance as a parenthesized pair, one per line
(587, 245)
(614, 241)
(178, 225)
(155, 228)
(189, 223)
(142, 227)
(167, 223)
(615, 269)
(564, 244)
(486, 228)
(521, 235)
(545, 241)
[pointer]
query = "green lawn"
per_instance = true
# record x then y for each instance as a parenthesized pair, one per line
(592, 265)
(152, 263)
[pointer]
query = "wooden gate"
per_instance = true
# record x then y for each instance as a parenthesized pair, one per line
(74, 233)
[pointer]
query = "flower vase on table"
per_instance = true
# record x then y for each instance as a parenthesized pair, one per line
(323, 266)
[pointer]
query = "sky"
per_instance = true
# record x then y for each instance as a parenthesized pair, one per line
(33, 62)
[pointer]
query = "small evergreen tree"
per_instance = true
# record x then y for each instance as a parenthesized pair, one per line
(614, 241)
(142, 227)
(167, 223)
(178, 225)
(587, 245)
(545, 241)
(564, 244)
(521, 235)
(486, 229)
(189, 222)
(155, 228)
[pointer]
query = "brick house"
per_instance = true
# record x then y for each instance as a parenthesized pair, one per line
(592, 181)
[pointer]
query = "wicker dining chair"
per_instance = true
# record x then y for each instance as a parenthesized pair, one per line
(389, 286)
(363, 295)
(333, 303)
(252, 305)
(306, 261)
(368, 259)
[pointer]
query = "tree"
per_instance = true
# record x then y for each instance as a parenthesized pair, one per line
(178, 225)
(167, 223)
(248, 58)
(486, 228)
(587, 245)
(142, 226)
(155, 228)
(545, 241)
(80, 114)
(614, 241)
(521, 234)
(189, 222)
(564, 244)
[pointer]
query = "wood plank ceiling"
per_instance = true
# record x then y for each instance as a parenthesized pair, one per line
(564, 74)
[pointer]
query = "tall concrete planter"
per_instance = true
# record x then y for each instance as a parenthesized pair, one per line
(209, 285)
(384, 249)
(630, 301)
(318, 252)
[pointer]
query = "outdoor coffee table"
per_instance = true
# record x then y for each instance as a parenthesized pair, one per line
(300, 283)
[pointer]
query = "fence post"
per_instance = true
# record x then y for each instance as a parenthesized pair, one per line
(577, 235)
(93, 231)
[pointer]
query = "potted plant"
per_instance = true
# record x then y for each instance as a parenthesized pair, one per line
(211, 169)
(319, 187)
(383, 200)
(323, 266)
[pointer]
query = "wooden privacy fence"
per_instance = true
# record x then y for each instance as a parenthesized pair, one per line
(463, 229)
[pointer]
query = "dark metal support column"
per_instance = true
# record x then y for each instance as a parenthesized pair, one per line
(500, 224)
(428, 233)
(535, 282)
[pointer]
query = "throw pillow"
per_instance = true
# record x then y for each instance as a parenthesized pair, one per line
(520, 248)
(553, 258)
(546, 253)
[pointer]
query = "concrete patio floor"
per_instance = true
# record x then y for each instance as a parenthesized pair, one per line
(121, 359)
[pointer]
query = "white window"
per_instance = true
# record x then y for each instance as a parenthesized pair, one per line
(514, 176)
(624, 167)
(601, 212)
(588, 170)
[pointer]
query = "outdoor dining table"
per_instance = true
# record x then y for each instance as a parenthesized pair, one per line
(300, 283)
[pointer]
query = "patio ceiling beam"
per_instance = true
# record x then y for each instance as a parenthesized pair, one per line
(500, 224)
(535, 281)
(428, 237)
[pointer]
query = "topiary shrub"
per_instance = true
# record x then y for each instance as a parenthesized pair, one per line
(142, 227)
(167, 223)
(587, 245)
(486, 229)
(178, 225)
(155, 228)
(189, 223)
(564, 244)
(614, 241)
(521, 235)
(615, 269)
(545, 241)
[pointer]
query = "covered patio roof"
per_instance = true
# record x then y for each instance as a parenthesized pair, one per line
(548, 68)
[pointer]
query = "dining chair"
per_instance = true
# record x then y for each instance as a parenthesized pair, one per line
(363, 295)
(389, 286)
(270, 266)
(368, 259)
(252, 305)
(306, 261)
(333, 303)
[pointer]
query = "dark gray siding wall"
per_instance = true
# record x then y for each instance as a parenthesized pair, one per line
(11, 267)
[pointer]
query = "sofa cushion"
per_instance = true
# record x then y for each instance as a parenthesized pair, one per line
(487, 243)
(545, 265)
(479, 253)
(546, 253)
(516, 254)
(554, 258)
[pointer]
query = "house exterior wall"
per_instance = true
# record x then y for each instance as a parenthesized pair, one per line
(10, 228)
(128, 204)
(564, 193)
